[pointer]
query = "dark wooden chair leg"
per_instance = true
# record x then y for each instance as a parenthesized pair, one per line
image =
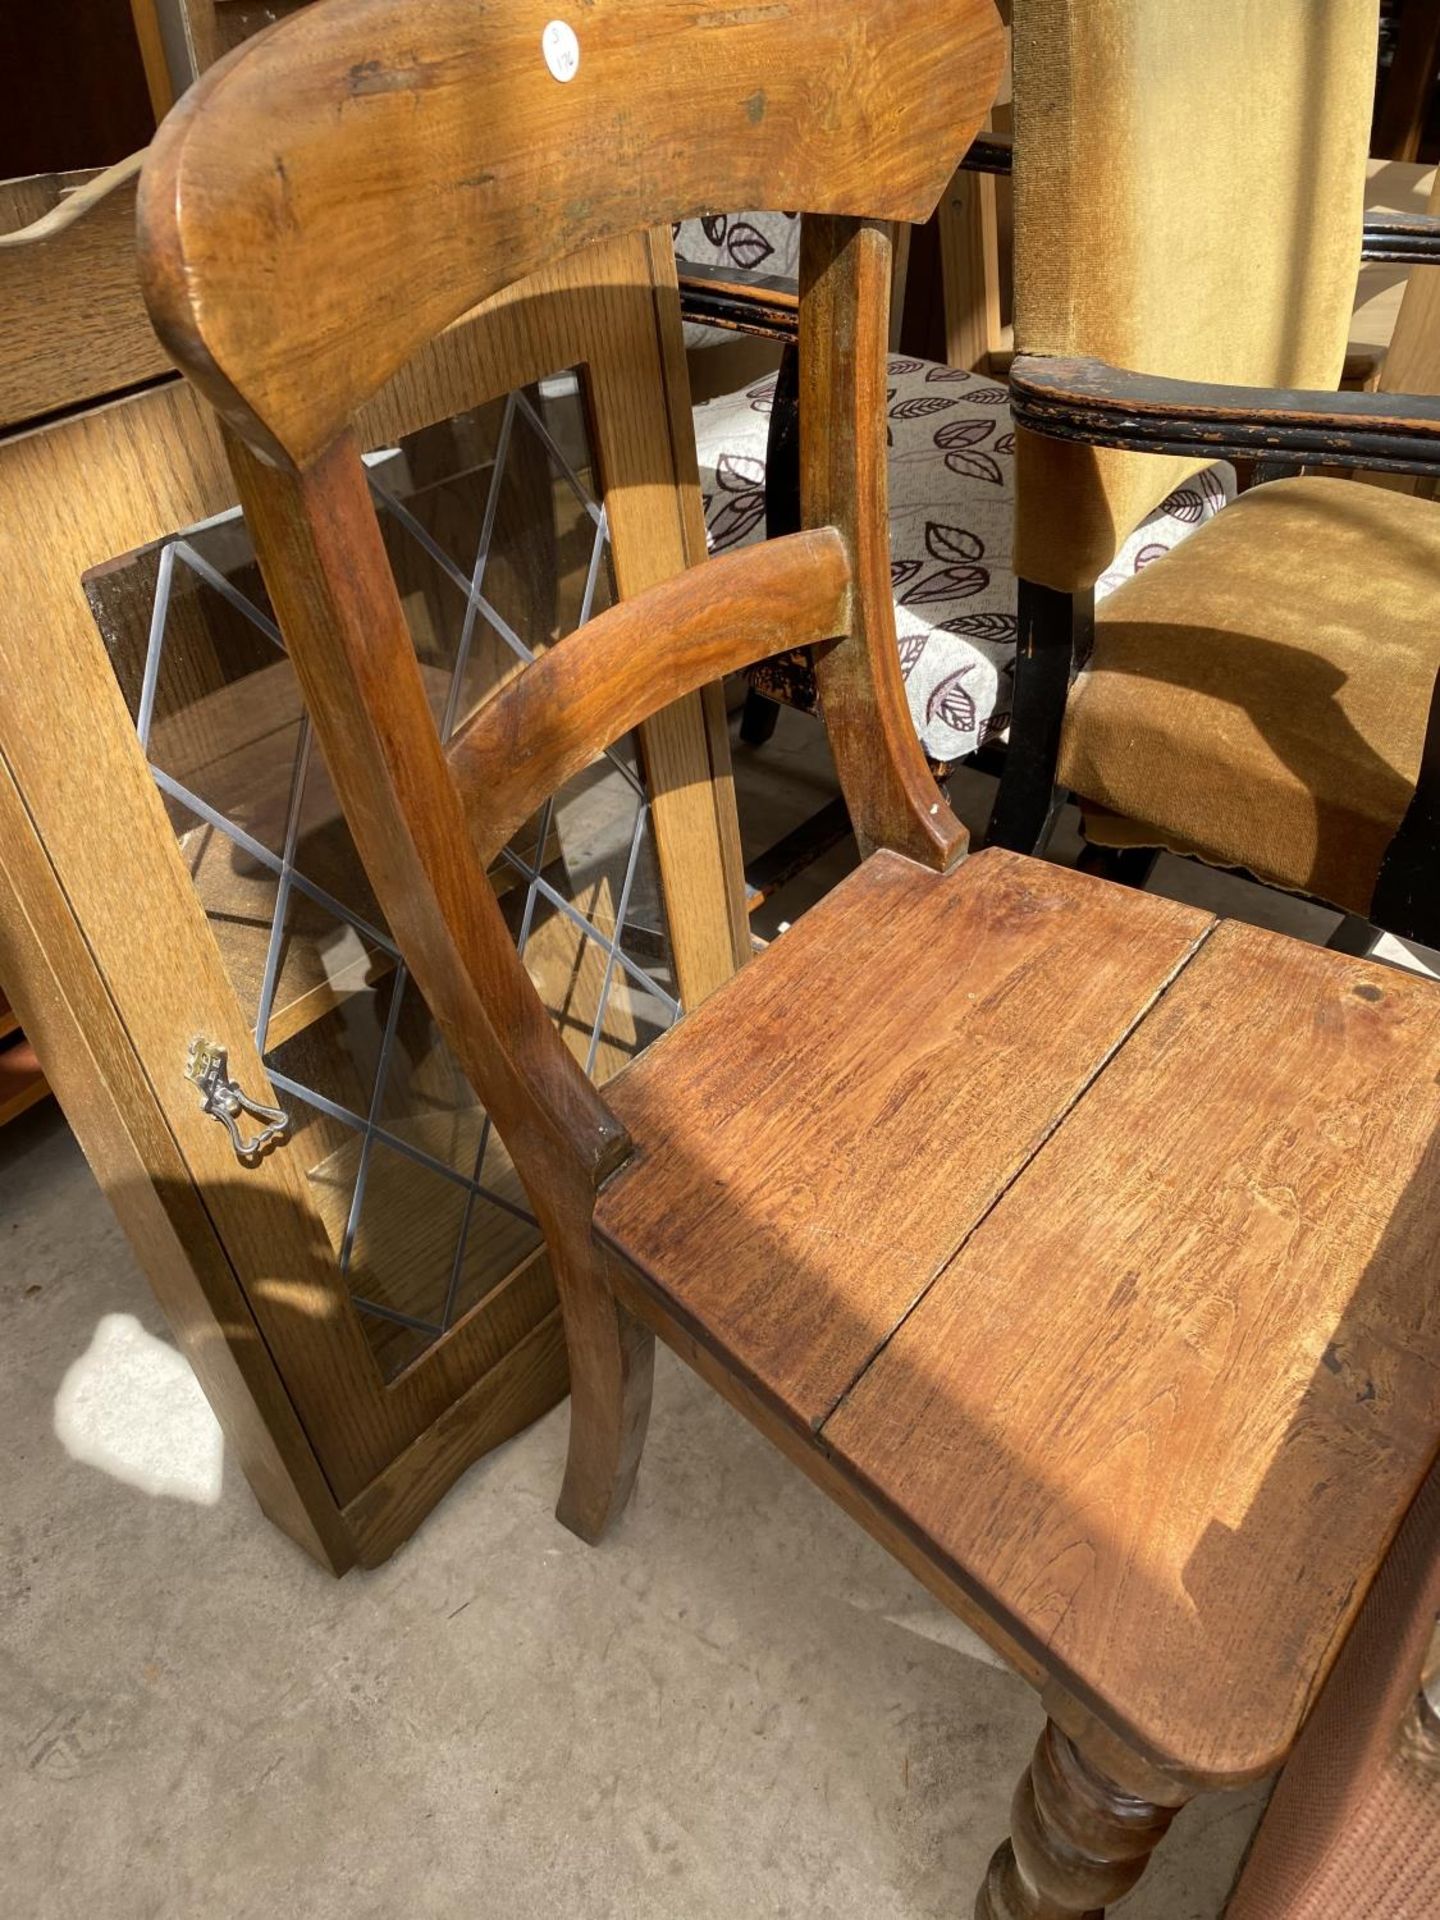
(1353, 935)
(782, 450)
(612, 1359)
(1077, 1840)
(1054, 629)
(1126, 866)
(1407, 900)
(757, 722)
(782, 512)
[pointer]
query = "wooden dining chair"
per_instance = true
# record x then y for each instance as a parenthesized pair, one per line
(1258, 697)
(1078, 1247)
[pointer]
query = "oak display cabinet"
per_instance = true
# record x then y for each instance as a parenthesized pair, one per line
(336, 1233)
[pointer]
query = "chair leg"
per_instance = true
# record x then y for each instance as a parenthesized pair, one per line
(757, 722)
(782, 511)
(1353, 935)
(1404, 901)
(1126, 866)
(612, 1362)
(1077, 1840)
(1054, 633)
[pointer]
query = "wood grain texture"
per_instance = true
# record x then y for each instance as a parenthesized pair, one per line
(499, 1404)
(73, 324)
(216, 27)
(845, 483)
(353, 146)
(547, 723)
(1412, 363)
(814, 1144)
(89, 485)
(1168, 1404)
(800, 1449)
(970, 265)
(323, 558)
(644, 444)
(724, 873)
(150, 36)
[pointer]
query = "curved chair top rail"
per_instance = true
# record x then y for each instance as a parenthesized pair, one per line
(329, 197)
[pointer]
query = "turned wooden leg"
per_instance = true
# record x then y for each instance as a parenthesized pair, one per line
(612, 1362)
(1077, 1841)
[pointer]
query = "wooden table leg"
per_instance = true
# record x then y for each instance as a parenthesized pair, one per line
(1077, 1840)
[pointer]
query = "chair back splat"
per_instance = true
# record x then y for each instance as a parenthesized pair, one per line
(450, 151)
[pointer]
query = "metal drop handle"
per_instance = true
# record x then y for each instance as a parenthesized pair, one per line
(208, 1066)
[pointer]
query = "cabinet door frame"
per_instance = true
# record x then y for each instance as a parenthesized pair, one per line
(117, 478)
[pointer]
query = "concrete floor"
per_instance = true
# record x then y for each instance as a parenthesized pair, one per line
(738, 1706)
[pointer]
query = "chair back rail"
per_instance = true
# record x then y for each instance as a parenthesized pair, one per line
(614, 672)
(355, 144)
(431, 146)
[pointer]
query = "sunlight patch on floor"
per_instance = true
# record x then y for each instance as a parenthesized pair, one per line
(131, 1407)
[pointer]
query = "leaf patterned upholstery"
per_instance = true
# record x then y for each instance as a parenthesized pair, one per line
(753, 242)
(951, 528)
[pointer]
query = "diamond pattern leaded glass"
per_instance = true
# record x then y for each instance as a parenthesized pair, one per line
(499, 548)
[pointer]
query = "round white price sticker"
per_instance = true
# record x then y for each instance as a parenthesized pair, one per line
(561, 50)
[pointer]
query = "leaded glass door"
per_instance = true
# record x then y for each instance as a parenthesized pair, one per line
(501, 548)
(375, 1278)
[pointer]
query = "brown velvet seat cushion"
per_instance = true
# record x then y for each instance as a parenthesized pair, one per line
(1259, 696)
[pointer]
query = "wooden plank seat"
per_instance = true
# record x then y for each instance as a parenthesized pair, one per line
(1079, 1248)
(1039, 1207)
(814, 1144)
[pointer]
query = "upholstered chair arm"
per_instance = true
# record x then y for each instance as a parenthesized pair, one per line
(1407, 239)
(1105, 406)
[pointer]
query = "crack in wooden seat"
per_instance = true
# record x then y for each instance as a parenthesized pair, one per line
(817, 1141)
(1094, 1243)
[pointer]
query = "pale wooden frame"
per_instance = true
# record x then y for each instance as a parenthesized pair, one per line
(119, 924)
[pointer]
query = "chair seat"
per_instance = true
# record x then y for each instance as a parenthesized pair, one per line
(1036, 1205)
(951, 512)
(1260, 699)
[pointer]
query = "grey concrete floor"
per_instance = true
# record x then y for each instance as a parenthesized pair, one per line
(737, 1706)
